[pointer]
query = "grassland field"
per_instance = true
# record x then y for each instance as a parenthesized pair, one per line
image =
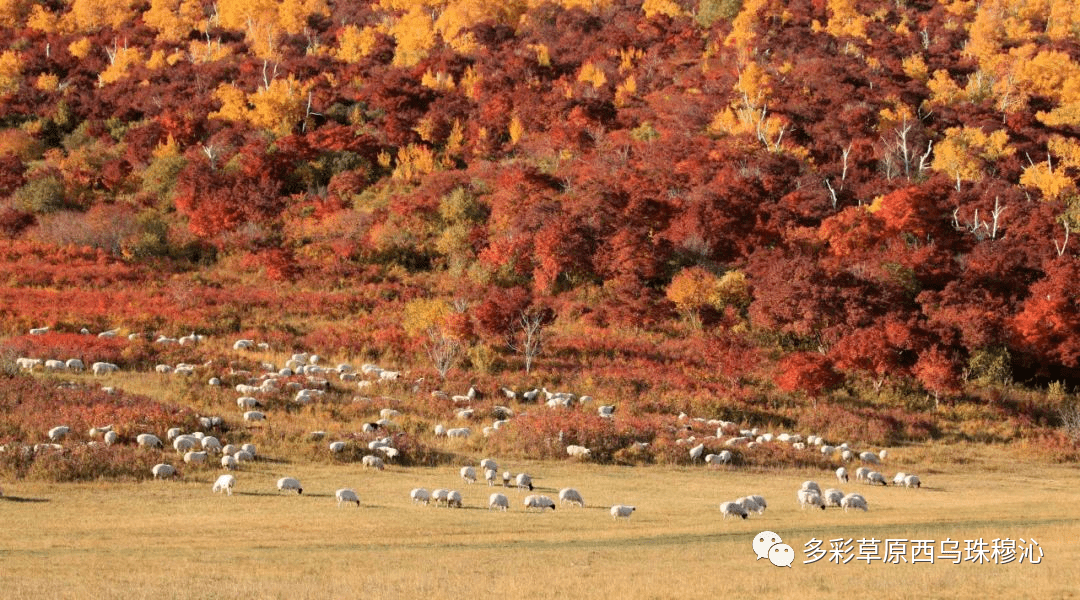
(176, 539)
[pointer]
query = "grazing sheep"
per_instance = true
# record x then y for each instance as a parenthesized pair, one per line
(243, 456)
(912, 481)
(249, 448)
(193, 457)
(58, 433)
(229, 462)
(847, 455)
(373, 462)
(225, 484)
(696, 452)
(750, 504)
(898, 479)
(578, 451)
(163, 470)
(810, 498)
(832, 497)
(149, 440)
(420, 495)
(211, 444)
(74, 364)
(337, 447)
(55, 365)
(621, 511)
(861, 473)
(468, 474)
(490, 475)
(488, 463)
(440, 496)
(346, 495)
(103, 368)
(524, 481)
(875, 477)
(254, 415)
(243, 344)
(458, 432)
(498, 501)
(723, 458)
(289, 484)
(173, 433)
(853, 501)
(538, 502)
(883, 454)
(869, 457)
(841, 475)
(571, 496)
(229, 449)
(760, 500)
(453, 499)
(185, 443)
(506, 477)
(728, 509)
(111, 437)
(247, 402)
(813, 486)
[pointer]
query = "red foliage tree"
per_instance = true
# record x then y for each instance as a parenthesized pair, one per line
(810, 372)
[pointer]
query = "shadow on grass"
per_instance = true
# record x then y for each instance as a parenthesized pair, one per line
(282, 494)
(18, 499)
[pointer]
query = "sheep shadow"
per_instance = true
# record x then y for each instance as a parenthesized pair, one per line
(283, 494)
(19, 499)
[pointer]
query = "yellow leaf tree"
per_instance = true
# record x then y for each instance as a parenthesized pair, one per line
(10, 73)
(966, 150)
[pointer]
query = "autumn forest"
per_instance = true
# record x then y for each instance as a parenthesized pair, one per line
(854, 217)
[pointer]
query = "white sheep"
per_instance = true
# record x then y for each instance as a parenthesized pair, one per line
(250, 449)
(869, 457)
(842, 475)
(468, 474)
(346, 495)
(847, 455)
(883, 454)
(55, 365)
(58, 433)
(103, 368)
(722, 458)
(571, 496)
(813, 486)
(254, 415)
(149, 440)
(337, 447)
(875, 477)
(242, 456)
(750, 504)
(173, 433)
(728, 509)
(458, 432)
(760, 500)
(453, 499)
(861, 473)
(247, 402)
(229, 462)
(211, 444)
(289, 484)
(111, 438)
(498, 501)
(539, 502)
(74, 364)
(524, 481)
(194, 457)
(810, 498)
(622, 511)
(898, 479)
(912, 481)
(578, 451)
(243, 344)
(696, 452)
(229, 449)
(506, 477)
(372, 461)
(853, 501)
(488, 463)
(185, 443)
(832, 497)
(490, 475)
(420, 495)
(440, 496)
(225, 484)
(163, 470)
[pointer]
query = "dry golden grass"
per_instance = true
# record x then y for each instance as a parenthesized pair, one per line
(175, 539)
